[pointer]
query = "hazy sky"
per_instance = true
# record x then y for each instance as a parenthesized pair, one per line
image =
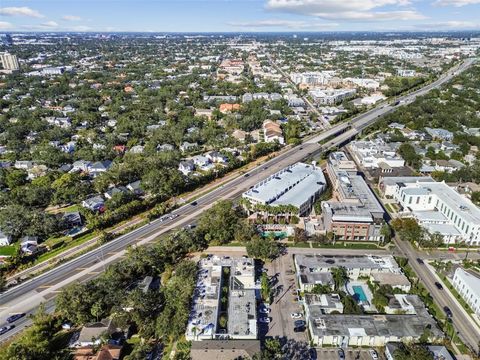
(238, 15)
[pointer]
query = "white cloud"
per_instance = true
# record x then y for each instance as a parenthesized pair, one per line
(80, 28)
(362, 10)
(20, 11)
(456, 3)
(5, 25)
(71, 18)
(450, 25)
(49, 24)
(290, 24)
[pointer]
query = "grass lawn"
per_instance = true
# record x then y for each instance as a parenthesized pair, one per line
(342, 245)
(8, 250)
(68, 245)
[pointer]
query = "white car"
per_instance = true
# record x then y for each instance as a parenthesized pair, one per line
(264, 320)
(296, 315)
(264, 310)
(373, 354)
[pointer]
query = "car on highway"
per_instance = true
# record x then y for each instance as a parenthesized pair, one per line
(296, 315)
(15, 317)
(5, 329)
(341, 354)
(193, 203)
(246, 175)
(264, 320)
(420, 261)
(447, 311)
(438, 285)
(373, 354)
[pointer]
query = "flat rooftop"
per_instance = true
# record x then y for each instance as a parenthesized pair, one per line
(354, 187)
(454, 200)
(316, 263)
(203, 317)
(393, 180)
(395, 326)
(293, 185)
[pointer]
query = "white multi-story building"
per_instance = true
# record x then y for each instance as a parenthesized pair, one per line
(312, 78)
(9, 61)
(331, 96)
(467, 284)
(440, 209)
(370, 154)
(298, 185)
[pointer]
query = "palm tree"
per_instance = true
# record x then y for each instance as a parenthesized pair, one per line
(340, 277)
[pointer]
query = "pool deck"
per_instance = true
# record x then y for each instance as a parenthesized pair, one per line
(366, 305)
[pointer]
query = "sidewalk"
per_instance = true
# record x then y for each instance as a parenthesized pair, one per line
(447, 290)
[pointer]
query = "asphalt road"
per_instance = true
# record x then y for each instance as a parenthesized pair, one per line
(27, 296)
(467, 332)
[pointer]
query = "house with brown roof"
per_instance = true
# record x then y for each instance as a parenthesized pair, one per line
(272, 132)
(106, 352)
(226, 108)
(224, 349)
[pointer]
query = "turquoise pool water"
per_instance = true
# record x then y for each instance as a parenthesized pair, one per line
(277, 234)
(359, 293)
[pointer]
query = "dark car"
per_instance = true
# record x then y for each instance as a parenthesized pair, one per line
(299, 323)
(299, 329)
(193, 203)
(420, 261)
(438, 285)
(448, 312)
(5, 329)
(15, 317)
(341, 354)
(246, 175)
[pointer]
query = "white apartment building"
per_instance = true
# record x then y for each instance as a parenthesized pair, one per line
(312, 78)
(9, 61)
(440, 209)
(331, 96)
(468, 286)
(370, 154)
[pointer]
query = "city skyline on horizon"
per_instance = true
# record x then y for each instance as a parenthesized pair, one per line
(210, 16)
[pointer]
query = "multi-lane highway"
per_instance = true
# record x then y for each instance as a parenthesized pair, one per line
(27, 296)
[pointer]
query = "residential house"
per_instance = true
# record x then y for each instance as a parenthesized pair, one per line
(216, 157)
(135, 188)
(5, 239)
(186, 146)
(106, 352)
(29, 245)
(204, 112)
(92, 333)
(73, 219)
(272, 132)
(227, 108)
(81, 165)
(186, 167)
(95, 203)
(100, 167)
(441, 134)
(115, 190)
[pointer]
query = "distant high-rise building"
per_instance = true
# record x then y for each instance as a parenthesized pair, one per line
(9, 61)
(6, 39)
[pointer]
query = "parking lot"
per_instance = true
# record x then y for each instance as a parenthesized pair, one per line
(282, 325)
(350, 354)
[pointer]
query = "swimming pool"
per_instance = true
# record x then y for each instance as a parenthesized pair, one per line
(359, 293)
